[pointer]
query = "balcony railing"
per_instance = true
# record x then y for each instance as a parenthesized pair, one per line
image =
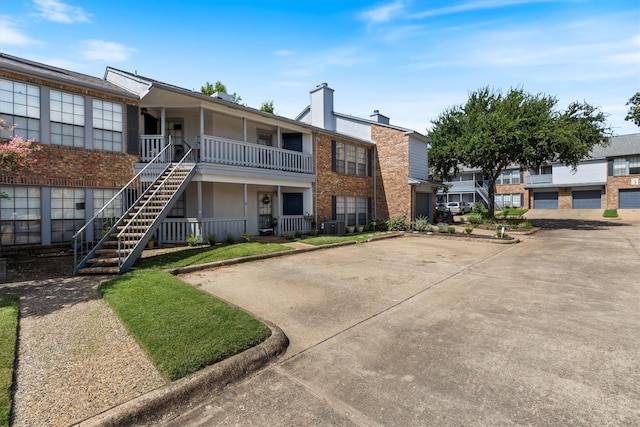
(545, 178)
(224, 151)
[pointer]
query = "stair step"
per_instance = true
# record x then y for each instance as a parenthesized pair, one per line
(98, 270)
(103, 262)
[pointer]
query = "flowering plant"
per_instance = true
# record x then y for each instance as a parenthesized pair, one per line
(16, 154)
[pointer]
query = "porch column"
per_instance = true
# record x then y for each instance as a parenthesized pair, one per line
(279, 210)
(199, 187)
(279, 136)
(163, 124)
(244, 129)
(201, 122)
(245, 206)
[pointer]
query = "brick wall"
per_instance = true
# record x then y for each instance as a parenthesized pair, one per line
(75, 167)
(615, 183)
(393, 190)
(336, 184)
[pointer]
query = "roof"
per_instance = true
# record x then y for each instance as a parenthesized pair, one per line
(32, 68)
(621, 145)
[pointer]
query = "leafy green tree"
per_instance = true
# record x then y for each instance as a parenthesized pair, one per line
(267, 107)
(634, 109)
(209, 89)
(493, 131)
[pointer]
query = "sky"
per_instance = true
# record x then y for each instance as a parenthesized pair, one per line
(409, 59)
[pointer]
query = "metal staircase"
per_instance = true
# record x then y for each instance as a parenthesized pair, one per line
(109, 244)
(483, 191)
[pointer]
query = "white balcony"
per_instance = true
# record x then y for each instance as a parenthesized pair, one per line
(222, 151)
(546, 178)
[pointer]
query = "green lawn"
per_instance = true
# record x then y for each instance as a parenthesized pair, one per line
(330, 239)
(202, 255)
(9, 307)
(180, 328)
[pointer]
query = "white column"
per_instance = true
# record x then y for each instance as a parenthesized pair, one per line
(244, 129)
(246, 207)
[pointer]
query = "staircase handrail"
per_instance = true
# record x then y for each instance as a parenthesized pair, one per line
(79, 240)
(190, 154)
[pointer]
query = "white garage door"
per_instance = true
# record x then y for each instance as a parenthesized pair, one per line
(629, 199)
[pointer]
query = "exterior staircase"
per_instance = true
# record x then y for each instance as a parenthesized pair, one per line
(109, 245)
(483, 191)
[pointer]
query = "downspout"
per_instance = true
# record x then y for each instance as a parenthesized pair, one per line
(315, 179)
(375, 182)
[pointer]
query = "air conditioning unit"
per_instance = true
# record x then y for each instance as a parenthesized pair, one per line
(332, 227)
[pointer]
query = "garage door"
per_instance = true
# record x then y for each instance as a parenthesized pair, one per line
(547, 200)
(423, 204)
(629, 199)
(587, 199)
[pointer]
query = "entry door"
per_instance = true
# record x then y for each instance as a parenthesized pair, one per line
(174, 128)
(265, 209)
(423, 205)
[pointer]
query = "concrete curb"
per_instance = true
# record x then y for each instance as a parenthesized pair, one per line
(169, 401)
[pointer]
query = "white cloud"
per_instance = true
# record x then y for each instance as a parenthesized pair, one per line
(474, 5)
(12, 35)
(382, 13)
(57, 11)
(100, 50)
(284, 52)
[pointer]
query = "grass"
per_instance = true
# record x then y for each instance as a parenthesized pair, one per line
(9, 307)
(512, 212)
(180, 328)
(610, 213)
(202, 255)
(330, 239)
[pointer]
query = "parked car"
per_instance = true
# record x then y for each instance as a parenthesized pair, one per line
(442, 214)
(459, 208)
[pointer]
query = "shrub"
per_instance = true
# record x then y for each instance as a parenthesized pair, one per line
(312, 232)
(525, 225)
(451, 229)
(442, 228)
(246, 237)
(397, 223)
(289, 235)
(421, 223)
(211, 237)
(230, 238)
(377, 225)
(297, 234)
(477, 208)
(192, 240)
(610, 213)
(468, 229)
(474, 218)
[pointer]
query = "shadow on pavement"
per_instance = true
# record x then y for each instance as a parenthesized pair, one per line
(575, 224)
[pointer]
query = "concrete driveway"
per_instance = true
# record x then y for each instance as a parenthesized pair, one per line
(427, 331)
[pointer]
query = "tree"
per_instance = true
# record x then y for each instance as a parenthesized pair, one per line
(209, 89)
(634, 109)
(493, 131)
(267, 107)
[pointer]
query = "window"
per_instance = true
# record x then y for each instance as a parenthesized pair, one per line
(634, 166)
(20, 216)
(351, 210)
(67, 213)
(265, 137)
(626, 166)
(178, 210)
(292, 204)
(111, 214)
(107, 125)
(340, 157)
(510, 200)
(350, 158)
(509, 177)
(67, 119)
(20, 105)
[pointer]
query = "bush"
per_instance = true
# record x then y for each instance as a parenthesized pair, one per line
(211, 238)
(468, 229)
(246, 237)
(397, 223)
(192, 240)
(442, 228)
(377, 225)
(610, 213)
(312, 232)
(525, 225)
(475, 218)
(289, 235)
(421, 223)
(230, 238)
(451, 229)
(477, 208)
(297, 234)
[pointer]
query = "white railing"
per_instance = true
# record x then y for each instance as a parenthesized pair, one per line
(151, 145)
(176, 230)
(461, 186)
(293, 223)
(545, 178)
(237, 153)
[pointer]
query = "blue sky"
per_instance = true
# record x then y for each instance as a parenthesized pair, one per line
(409, 59)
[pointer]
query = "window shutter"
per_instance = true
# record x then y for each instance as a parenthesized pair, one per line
(369, 205)
(369, 161)
(333, 208)
(132, 130)
(333, 155)
(610, 167)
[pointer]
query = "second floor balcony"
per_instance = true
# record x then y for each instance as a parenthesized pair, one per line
(545, 178)
(229, 152)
